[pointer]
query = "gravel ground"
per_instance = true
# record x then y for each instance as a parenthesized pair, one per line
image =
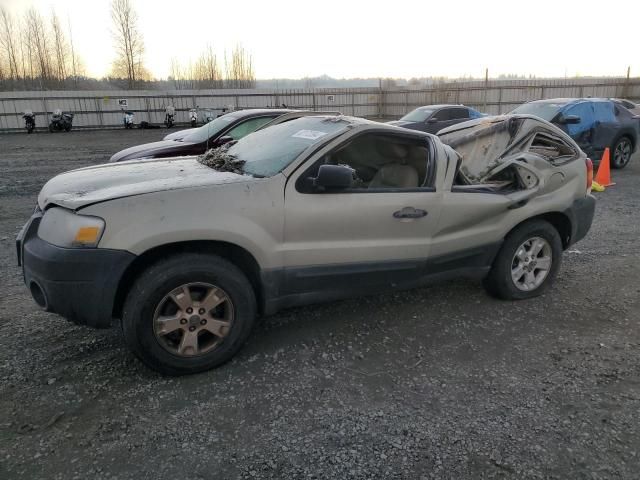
(439, 382)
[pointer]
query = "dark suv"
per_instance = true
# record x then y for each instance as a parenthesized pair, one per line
(594, 123)
(433, 118)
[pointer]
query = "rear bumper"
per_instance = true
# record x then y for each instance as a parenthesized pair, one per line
(581, 214)
(78, 284)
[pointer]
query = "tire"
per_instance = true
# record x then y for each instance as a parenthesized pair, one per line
(67, 128)
(621, 153)
(51, 128)
(500, 282)
(149, 294)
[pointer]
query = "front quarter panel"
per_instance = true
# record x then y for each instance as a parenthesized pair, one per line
(249, 215)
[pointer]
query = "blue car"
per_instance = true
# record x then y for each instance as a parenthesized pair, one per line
(594, 123)
(433, 118)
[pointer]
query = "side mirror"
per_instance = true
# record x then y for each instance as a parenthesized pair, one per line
(224, 140)
(432, 120)
(569, 120)
(333, 177)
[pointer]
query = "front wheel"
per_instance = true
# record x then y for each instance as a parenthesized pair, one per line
(622, 151)
(188, 313)
(527, 263)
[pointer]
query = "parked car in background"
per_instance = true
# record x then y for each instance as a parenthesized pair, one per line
(433, 118)
(229, 127)
(318, 208)
(594, 123)
(628, 104)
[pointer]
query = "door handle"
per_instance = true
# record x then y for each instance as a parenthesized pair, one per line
(410, 212)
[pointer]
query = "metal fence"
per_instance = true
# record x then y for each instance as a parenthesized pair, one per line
(103, 109)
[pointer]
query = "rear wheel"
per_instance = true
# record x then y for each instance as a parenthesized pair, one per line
(527, 262)
(622, 151)
(189, 313)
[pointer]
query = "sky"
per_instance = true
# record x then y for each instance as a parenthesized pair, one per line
(345, 39)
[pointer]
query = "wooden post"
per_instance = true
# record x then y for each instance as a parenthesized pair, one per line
(625, 88)
(486, 87)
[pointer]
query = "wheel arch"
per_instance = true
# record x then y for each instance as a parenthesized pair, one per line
(237, 255)
(559, 220)
(628, 133)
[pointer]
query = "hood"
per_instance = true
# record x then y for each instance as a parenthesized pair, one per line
(85, 186)
(166, 147)
(179, 134)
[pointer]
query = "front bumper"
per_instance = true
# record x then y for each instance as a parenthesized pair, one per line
(581, 215)
(77, 283)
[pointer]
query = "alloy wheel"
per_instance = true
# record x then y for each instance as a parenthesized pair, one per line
(622, 153)
(193, 319)
(531, 264)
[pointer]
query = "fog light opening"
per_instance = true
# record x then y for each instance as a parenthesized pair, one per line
(38, 294)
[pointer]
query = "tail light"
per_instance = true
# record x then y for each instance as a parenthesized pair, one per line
(589, 173)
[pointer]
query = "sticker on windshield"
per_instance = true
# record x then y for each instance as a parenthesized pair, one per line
(309, 134)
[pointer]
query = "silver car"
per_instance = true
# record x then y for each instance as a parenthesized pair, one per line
(186, 252)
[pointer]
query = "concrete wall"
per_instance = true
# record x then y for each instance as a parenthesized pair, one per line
(100, 109)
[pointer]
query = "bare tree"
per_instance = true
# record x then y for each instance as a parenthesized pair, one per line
(9, 40)
(128, 42)
(61, 49)
(239, 70)
(39, 46)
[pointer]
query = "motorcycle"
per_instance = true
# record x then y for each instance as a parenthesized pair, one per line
(169, 114)
(193, 116)
(128, 119)
(29, 121)
(61, 121)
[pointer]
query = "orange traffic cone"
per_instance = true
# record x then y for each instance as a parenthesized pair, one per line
(603, 177)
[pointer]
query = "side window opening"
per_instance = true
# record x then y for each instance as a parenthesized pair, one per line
(379, 162)
(550, 147)
(508, 179)
(442, 115)
(459, 113)
(245, 128)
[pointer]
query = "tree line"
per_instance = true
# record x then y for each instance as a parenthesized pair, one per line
(37, 53)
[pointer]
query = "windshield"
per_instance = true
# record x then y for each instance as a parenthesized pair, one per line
(213, 127)
(418, 115)
(544, 110)
(267, 152)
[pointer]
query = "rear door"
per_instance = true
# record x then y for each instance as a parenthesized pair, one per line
(606, 126)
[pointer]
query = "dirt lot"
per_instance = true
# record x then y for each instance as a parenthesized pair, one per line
(441, 382)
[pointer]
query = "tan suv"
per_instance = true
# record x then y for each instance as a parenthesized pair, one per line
(316, 208)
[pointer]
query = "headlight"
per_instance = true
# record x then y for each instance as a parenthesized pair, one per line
(65, 228)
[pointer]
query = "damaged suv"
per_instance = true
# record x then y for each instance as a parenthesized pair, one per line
(187, 256)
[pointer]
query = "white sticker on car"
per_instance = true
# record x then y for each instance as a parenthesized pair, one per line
(309, 134)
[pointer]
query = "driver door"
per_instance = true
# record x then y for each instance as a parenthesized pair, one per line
(358, 238)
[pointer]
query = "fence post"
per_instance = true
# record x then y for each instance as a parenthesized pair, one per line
(486, 87)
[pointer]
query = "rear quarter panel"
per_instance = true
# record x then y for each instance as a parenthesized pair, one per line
(472, 219)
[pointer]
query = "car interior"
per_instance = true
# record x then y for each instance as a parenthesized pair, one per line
(384, 162)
